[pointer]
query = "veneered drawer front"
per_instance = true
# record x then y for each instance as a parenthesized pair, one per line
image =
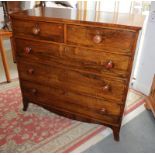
(101, 38)
(36, 50)
(71, 101)
(79, 82)
(39, 30)
(95, 61)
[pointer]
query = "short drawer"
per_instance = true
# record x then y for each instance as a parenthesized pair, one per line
(115, 40)
(72, 102)
(36, 50)
(39, 30)
(87, 84)
(100, 62)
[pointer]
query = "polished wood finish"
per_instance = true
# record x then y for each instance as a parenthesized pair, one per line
(87, 83)
(81, 58)
(70, 101)
(124, 20)
(100, 38)
(5, 34)
(13, 49)
(39, 30)
(150, 100)
(78, 68)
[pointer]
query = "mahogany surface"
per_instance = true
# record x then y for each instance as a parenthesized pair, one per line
(78, 67)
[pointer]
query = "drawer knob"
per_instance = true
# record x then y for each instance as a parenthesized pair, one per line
(109, 65)
(59, 27)
(106, 88)
(27, 50)
(31, 71)
(35, 30)
(34, 91)
(97, 39)
(103, 110)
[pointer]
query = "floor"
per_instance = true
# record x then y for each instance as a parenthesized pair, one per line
(12, 65)
(137, 136)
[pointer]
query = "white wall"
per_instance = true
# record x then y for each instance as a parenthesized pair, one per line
(145, 67)
(1, 17)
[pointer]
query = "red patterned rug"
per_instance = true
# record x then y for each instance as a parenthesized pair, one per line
(39, 130)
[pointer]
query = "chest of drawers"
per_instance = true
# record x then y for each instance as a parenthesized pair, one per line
(76, 68)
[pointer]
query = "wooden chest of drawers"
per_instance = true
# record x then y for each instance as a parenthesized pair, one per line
(76, 68)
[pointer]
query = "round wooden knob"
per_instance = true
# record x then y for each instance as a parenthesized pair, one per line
(59, 27)
(35, 30)
(27, 50)
(31, 71)
(97, 39)
(109, 65)
(103, 110)
(106, 88)
(34, 91)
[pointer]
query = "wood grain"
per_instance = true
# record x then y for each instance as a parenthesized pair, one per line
(83, 83)
(70, 101)
(108, 37)
(78, 68)
(48, 31)
(80, 58)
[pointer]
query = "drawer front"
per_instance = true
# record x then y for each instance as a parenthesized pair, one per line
(39, 30)
(101, 38)
(36, 50)
(98, 62)
(72, 102)
(87, 84)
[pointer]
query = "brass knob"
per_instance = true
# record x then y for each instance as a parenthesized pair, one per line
(34, 91)
(106, 88)
(27, 50)
(35, 30)
(97, 39)
(109, 65)
(31, 71)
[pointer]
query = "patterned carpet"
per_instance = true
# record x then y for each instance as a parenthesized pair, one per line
(39, 130)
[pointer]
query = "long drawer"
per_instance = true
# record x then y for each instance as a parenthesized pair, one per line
(39, 30)
(79, 82)
(72, 102)
(90, 60)
(117, 40)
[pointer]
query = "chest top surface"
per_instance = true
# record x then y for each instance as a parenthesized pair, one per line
(69, 15)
